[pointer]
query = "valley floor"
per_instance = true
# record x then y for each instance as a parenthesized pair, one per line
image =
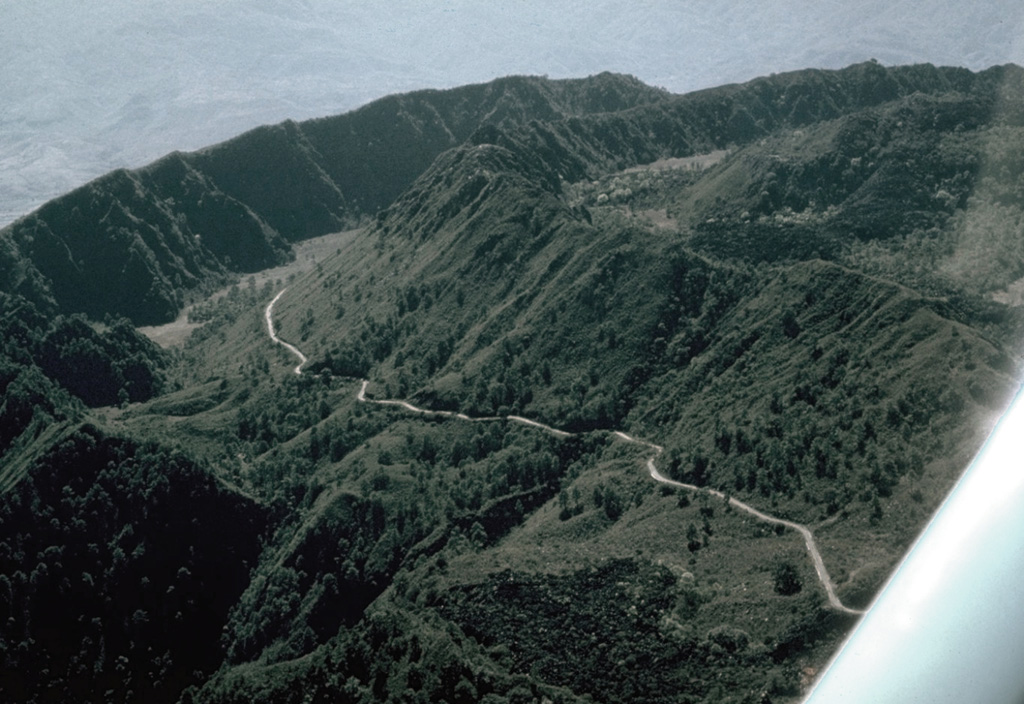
(307, 254)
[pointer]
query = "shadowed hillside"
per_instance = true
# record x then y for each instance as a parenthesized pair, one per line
(180, 223)
(133, 243)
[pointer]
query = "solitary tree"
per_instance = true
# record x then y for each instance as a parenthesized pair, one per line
(613, 506)
(787, 579)
(693, 543)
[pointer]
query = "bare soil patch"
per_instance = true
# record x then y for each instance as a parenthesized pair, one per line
(658, 217)
(695, 162)
(1012, 295)
(307, 254)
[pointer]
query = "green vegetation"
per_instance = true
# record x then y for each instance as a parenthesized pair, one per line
(108, 587)
(142, 243)
(818, 318)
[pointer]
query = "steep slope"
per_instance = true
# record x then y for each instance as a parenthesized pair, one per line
(132, 243)
(738, 115)
(50, 368)
(172, 226)
(477, 250)
(482, 291)
(545, 258)
(804, 387)
(119, 564)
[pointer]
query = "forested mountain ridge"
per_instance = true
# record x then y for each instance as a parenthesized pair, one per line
(180, 223)
(167, 228)
(782, 283)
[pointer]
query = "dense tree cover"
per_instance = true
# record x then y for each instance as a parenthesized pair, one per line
(398, 653)
(31, 401)
(51, 367)
(404, 496)
(621, 633)
(119, 563)
(100, 368)
(117, 366)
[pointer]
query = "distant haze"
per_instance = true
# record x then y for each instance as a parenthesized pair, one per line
(88, 87)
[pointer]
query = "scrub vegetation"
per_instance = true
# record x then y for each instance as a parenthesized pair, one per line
(806, 289)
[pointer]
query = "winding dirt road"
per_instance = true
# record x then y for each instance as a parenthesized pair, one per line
(812, 546)
(267, 314)
(804, 531)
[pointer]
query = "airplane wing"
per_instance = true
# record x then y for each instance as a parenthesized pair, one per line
(949, 625)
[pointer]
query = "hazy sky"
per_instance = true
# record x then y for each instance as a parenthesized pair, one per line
(88, 87)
